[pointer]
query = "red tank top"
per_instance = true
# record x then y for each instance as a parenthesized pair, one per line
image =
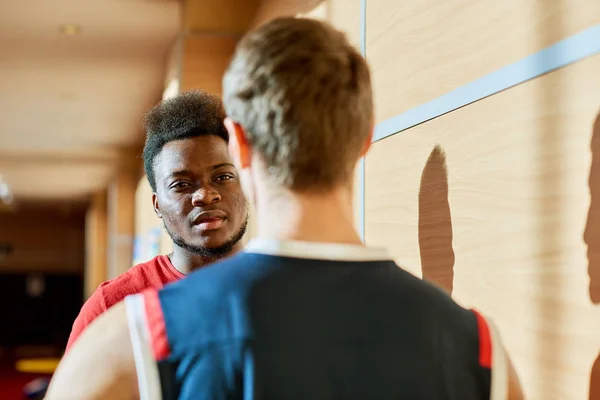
(155, 273)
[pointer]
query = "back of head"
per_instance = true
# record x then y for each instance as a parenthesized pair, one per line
(303, 95)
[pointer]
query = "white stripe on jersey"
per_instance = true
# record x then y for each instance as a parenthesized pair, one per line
(499, 389)
(145, 364)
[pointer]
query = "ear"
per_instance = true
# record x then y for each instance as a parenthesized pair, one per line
(239, 148)
(156, 206)
(367, 144)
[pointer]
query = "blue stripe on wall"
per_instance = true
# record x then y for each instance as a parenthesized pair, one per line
(558, 55)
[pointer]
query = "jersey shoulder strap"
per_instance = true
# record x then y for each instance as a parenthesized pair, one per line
(492, 356)
(150, 344)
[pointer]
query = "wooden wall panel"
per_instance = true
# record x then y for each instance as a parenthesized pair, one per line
(96, 235)
(346, 16)
(230, 16)
(320, 12)
(146, 222)
(269, 9)
(420, 50)
(173, 61)
(205, 58)
(145, 217)
(497, 214)
(121, 221)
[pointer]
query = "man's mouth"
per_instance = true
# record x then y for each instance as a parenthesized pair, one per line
(210, 220)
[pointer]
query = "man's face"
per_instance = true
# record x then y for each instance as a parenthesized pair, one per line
(198, 195)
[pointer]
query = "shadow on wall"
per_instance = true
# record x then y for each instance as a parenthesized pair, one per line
(595, 380)
(435, 223)
(591, 237)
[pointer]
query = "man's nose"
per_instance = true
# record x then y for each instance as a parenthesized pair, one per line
(205, 196)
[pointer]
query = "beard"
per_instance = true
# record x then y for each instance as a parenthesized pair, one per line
(210, 253)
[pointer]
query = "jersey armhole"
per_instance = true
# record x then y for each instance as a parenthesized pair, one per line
(493, 357)
(142, 329)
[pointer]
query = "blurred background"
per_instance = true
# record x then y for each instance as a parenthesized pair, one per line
(493, 199)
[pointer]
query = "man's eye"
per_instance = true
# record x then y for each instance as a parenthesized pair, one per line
(224, 177)
(180, 185)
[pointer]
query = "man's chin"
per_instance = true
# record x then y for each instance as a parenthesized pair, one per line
(208, 237)
(207, 243)
(208, 250)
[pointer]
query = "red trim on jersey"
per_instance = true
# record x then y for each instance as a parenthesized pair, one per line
(156, 325)
(485, 342)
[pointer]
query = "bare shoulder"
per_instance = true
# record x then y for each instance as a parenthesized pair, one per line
(100, 364)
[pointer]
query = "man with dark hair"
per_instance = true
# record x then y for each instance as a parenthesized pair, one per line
(306, 311)
(196, 193)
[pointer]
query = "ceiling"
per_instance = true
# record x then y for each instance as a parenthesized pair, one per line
(71, 104)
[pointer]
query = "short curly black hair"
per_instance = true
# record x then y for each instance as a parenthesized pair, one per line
(190, 114)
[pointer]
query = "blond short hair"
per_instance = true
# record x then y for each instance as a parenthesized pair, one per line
(303, 95)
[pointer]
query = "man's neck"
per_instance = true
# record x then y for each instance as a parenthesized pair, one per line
(185, 261)
(313, 217)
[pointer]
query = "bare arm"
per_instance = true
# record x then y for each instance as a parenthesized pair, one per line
(100, 365)
(514, 386)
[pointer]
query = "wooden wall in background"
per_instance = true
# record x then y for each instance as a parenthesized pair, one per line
(495, 201)
(96, 237)
(205, 58)
(44, 239)
(270, 9)
(224, 16)
(423, 49)
(121, 218)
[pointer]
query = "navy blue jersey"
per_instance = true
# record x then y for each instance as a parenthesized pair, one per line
(296, 320)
